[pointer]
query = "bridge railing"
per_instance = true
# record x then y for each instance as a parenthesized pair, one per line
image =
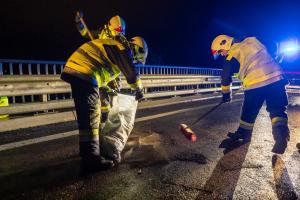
(43, 86)
(35, 67)
(34, 86)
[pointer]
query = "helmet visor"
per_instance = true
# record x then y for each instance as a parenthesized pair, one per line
(139, 55)
(119, 30)
(216, 54)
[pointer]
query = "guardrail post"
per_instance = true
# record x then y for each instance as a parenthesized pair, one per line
(20, 69)
(61, 68)
(11, 70)
(29, 69)
(54, 69)
(44, 98)
(1, 69)
(38, 67)
(47, 69)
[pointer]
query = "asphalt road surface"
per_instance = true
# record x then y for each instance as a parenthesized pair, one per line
(158, 162)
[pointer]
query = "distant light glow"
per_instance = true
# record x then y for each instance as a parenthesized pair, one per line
(289, 48)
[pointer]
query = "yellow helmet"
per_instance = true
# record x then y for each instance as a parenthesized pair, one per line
(139, 49)
(117, 25)
(221, 42)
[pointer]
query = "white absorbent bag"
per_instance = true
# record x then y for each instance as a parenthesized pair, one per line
(117, 128)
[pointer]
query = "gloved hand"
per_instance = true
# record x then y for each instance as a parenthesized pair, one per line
(104, 116)
(78, 16)
(115, 85)
(139, 95)
(226, 97)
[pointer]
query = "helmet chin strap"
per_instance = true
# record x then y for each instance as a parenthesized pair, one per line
(107, 32)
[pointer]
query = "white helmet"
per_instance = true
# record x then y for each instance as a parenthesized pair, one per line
(221, 42)
(139, 49)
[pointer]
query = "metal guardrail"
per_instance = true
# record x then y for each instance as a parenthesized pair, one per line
(38, 67)
(34, 86)
(35, 67)
(43, 85)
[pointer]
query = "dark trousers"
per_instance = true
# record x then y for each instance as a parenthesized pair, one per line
(275, 97)
(87, 104)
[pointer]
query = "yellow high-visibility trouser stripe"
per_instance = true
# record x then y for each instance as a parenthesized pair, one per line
(225, 88)
(136, 85)
(246, 125)
(89, 135)
(105, 108)
(4, 102)
(4, 117)
(279, 120)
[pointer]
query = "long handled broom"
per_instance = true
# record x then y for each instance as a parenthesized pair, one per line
(188, 132)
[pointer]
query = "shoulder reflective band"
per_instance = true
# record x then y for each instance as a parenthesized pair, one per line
(107, 64)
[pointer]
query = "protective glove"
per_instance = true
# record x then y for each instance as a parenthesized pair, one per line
(104, 116)
(226, 97)
(115, 85)
(139, 95)
(78, 16)
(104, 94)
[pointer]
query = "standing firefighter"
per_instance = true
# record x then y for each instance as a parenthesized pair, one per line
(91, 66)
(263, 81)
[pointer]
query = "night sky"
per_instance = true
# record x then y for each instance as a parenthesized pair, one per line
(177, 32)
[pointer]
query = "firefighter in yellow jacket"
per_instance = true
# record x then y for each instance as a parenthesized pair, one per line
(113, 29)
(263, 81)
(91, 66)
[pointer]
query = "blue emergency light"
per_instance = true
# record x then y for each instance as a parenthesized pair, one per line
(289, 48)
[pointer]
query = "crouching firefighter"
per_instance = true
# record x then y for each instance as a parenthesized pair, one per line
(263, 81)
(113, 29)
(90, 67)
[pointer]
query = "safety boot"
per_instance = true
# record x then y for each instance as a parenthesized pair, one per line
(281, 135)
(242, 135)
(92, 164)
(113, 155)
(91, 161)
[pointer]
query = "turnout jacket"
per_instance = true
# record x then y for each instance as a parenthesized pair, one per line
(101, 61)
(256, 67)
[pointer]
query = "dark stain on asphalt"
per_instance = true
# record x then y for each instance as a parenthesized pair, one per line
(191, 157)
(283, 184)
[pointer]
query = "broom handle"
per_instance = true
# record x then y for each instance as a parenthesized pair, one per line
(85, 26)
(207, 113)
(212, 109)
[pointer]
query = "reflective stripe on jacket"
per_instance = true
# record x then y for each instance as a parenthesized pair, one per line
(101, 61)
(257, 67)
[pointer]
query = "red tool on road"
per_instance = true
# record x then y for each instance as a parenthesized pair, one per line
(188, 132)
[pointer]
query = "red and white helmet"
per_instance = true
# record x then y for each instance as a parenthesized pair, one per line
(221, 42)
(116, 25)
